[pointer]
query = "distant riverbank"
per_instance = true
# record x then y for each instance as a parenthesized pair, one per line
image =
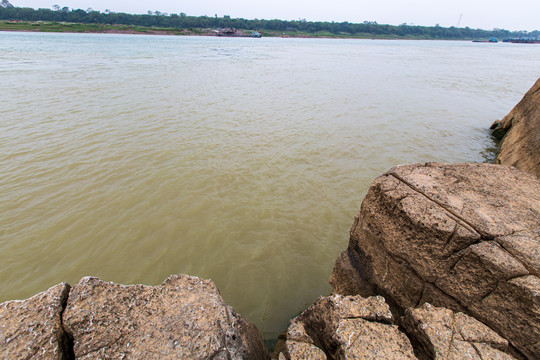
(63, 27)
(68, 27)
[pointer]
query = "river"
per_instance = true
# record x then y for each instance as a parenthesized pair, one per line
(133, 157)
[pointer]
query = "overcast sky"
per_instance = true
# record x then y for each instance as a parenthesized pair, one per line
(510, 15)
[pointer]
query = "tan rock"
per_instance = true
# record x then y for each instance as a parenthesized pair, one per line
(444, 334)
(520, 146)
(32, 328)
(513, 309)
(462, 236)
(345, 327)
(183, 318)
(292, 349)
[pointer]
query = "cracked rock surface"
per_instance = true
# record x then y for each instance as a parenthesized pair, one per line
(444, 334)
(520, 146)
(32, 328)
(344, 327)
(183, 318)
(463, 236)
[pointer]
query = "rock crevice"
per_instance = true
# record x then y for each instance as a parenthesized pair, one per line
(457, 217)
(185, 317)
(442, 244)
(341, 327)
(444, 334)
(66, 344)
(32, 328)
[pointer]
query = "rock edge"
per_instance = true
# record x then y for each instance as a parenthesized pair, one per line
(183, 318)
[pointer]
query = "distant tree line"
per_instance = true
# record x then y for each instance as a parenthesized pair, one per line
(183, 21)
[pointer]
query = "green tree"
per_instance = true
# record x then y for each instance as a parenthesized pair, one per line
(9, 12)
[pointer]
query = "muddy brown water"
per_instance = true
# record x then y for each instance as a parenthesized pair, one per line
(241, 160)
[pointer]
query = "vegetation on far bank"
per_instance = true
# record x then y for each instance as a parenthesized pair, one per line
(77, 20)
(69, 27)
(54, 26)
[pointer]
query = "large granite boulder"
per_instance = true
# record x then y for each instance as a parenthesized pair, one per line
(520, 145)
(183, 318)
(443, 334)
(32, 328)
(344, 327)
(464, 236)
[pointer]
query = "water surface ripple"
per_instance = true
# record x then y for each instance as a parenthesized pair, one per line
(241, 160)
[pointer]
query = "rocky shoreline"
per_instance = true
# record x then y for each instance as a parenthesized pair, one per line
(443, 262)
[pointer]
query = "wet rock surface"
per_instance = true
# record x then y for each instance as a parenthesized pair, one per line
(520, 134)
(32, 328)
(462, 236)
(184, 318)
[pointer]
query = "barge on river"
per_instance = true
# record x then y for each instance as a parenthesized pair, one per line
(232, 32)
(524, 41)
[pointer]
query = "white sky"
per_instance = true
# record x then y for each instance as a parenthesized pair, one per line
(510, 15)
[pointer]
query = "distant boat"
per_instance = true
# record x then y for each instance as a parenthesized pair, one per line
(531, 40)
(232, 32)
(492, 40)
